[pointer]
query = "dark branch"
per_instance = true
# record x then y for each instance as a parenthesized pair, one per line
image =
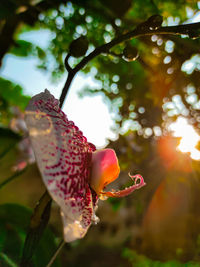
(65, 89)
(67, 66)
(141, 30)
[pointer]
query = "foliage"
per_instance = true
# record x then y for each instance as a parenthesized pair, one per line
(143, 83)
(14, 221)
(142, 261)
(10, 95)
(23, 49)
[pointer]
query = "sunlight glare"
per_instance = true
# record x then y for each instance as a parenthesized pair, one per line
(189, 137)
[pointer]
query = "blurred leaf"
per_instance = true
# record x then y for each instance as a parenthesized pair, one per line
(115, 202)
(40, 52)
(15, 220)
(142, 261)
(2, 236)
(7, 260)
(8, 140)
(13, 94)
(38, 223)
(22, 48)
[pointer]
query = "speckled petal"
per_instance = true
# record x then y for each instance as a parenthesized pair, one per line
(64, 158)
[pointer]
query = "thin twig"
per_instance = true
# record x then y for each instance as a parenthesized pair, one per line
(137, 32)
(11, 178)
(70, 77)
(67, 66)
(60, 246)
(39, 209)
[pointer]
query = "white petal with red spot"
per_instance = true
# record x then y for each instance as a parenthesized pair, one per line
(64, 157)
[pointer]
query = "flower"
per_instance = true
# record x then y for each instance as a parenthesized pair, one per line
(74, 172)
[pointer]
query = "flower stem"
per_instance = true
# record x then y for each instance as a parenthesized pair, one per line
(12, 177)
(188, 29)
(38, 223)
(60, 246)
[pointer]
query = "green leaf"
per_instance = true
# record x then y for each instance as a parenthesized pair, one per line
(13, 94)
(14, 222)
(140, 260)
(40, 52)
(34, 235)
(7, 260)
(22, 48)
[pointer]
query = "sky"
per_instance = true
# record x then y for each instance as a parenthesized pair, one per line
(89, 113)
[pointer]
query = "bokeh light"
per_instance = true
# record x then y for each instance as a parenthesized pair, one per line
(189, 137)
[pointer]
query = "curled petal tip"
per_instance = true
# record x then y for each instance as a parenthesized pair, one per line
(127, 191)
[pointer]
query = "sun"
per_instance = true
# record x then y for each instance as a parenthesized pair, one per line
(189, 137)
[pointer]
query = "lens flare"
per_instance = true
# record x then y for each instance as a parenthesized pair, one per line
(189, 137)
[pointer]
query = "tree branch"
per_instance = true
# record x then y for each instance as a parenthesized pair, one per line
(143, 29)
